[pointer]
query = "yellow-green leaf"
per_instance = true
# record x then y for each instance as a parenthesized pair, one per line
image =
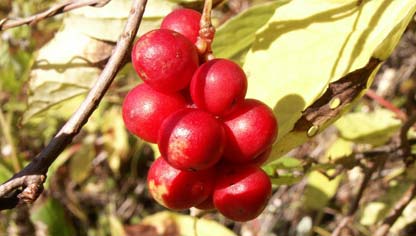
(368, 127)
(234, 38)
(320, 190)
(306, 45)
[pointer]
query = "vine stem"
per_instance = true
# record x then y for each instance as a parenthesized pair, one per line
(31, 178)
(8, 23)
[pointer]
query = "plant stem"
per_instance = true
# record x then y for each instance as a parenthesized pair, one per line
(17, 164)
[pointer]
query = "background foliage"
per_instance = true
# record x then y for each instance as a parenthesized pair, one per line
(291, 50)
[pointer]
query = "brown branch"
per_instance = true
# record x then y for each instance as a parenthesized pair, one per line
(8, 23)
(368, 173)
(40, 164)
(404, 141)
(397, 211)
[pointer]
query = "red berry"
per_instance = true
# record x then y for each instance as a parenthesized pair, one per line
(144, 110)
(262, 158)
(183, 21)
(208, 204)
(191, 139)
(165, 59)
(241, 192)
(251, 128)
(178, 189)
(217, 85)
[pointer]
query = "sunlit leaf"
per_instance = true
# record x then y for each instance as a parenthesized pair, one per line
(234, 38)
(319, 190)
(285, 163)
(339, 149)
(116, 227)
(64, 69)
(308, 44)
(184, 225)
(368, 127)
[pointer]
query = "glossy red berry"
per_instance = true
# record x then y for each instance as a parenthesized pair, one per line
(217, 85)
(191, 139)
(144, 110)
(241, 192)
(183, 21)
(165, 60)
(178, 189)
(251, 128)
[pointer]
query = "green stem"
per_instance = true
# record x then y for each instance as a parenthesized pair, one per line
(5, 127)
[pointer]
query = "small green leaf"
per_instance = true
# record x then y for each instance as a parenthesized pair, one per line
(81, 162)
(52, 214)
(320, 190)
(375, 127)
(377, 210)
(286, 180)
(116, 227)
(184, 225)
(340, 148)
(285, 163)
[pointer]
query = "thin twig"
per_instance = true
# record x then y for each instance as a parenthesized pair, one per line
(404, 141)
(8, 23)
(388, 105)
(397, 211)
(40, 164)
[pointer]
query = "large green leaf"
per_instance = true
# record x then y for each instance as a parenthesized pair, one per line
(64, 68)
(320, 190)
(68, 65)
(234, 38)
(307, 47)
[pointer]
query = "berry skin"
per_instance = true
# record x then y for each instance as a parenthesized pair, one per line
(241, 192)
(191, 139)
(165, 60)
(144, 110)
(251, 128)
(217, 85)
(262, 158)
(178, 189)
(206, 205)
(183, 21)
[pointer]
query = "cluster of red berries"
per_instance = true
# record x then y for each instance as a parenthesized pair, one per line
(212, 140)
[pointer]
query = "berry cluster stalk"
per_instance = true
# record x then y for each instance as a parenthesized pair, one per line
(206, 33)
